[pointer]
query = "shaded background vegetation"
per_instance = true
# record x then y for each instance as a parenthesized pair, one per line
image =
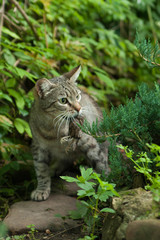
(43, 38)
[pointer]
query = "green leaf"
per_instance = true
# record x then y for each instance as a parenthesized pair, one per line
(9, 57)
(5, 96)
(23, 73)
(22, 126)
(69, 179)
(3, 230)
(105, 79)
(18, 98)
(110, 210)
(80, 212)
(19, 126)
(10, 83)
(86, 172)
(10, 33)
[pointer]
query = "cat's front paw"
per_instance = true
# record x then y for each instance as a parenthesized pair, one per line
(40, 195)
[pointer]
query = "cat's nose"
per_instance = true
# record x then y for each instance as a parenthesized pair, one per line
(77, 107)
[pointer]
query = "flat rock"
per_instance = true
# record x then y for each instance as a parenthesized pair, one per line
(143, 230)
(41, 214)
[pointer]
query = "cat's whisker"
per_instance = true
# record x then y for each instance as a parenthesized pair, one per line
(58, 116)
(58, 131)
(58, 121)
(94, 114)
(67, 121)
(61, 120)
(61, 116)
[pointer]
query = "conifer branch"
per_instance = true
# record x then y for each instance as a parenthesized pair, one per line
(150, 62)
(147, 51)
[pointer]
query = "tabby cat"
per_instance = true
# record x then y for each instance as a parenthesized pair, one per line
(58, 105)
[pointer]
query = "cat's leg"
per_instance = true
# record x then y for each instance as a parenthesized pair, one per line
(41, 164)
(97, 155)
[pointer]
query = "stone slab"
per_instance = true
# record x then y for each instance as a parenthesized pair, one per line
(41, 214)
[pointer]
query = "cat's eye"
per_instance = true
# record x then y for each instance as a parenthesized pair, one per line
(78, 97)
(63, 100)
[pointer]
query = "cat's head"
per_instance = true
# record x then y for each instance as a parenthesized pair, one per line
(60, 95)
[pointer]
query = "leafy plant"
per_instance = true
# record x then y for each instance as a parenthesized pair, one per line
(31, 233)
(138, 120)
(3, 230)
(94, 192)
(145, 164)
(44, 38)
(135, 124)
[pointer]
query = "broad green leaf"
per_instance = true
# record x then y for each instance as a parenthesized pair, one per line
(19, 126)
(86, 172)
(105, 79)
(6, 123)
(10, 33)
(5, 96)
(110, 210)
(22, 126)
(18, 98)
(9, 57)
(3, 230)
(69, 179)
(10, 83)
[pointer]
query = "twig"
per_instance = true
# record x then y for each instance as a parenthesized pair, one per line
(14, 24)
(12, 18)
(66, 230)
(154, 63)
(1, 20)
(25, 17)
(45, 30)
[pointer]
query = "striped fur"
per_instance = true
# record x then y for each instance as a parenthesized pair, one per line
(58, 105)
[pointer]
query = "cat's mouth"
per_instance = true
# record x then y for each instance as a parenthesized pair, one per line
(74, 115)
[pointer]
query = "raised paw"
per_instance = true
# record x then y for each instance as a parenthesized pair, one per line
(40, 195)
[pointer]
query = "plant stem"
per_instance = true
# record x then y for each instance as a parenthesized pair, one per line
(1, 20)
(151, 22)
(25, 17)
(140, 140)
(94, 220)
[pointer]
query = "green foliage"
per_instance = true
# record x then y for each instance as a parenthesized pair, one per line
(135, 124)
(3, 230)
(144, 165)
(149, 53)
(138, 120)
(51, 37)
(94, 192)
(31, 233)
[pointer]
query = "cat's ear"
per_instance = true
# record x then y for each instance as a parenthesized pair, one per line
(73, 74)
(43, 87)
